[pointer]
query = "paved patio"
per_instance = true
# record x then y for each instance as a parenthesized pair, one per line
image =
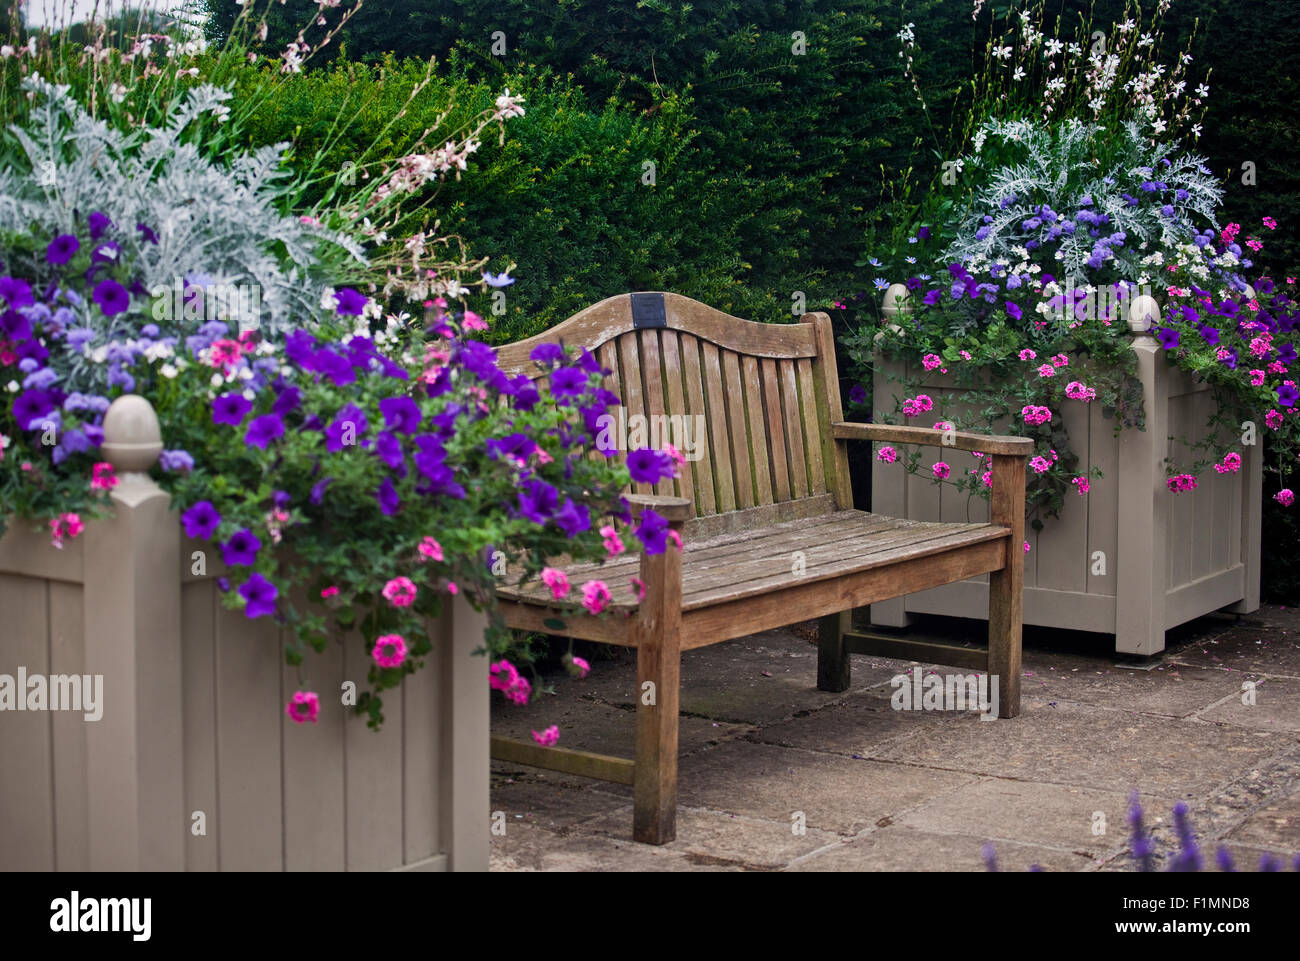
(886, 790)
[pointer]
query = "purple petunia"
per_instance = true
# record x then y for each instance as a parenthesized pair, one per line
(98, 223)
(388, 449)
(401, 414)
(387, 497)
(1014, 311)
(857, 394)
(287, 400)
(61, 249)
(1168, 337)
(230, 409)
(653, 532)
(538, 501)
(259, 596)
(1287, 395)
(242, 548)
(572, 518)
(16, 293)
(348, 425)
(111, 297)
(262, 430)
(147, 233)
(31, 406)
(175, 460)
(349, 302)
(201, 520)
(318, 490)
(567, 382)
(649, 466)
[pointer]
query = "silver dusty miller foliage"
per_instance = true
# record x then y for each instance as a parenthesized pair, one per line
(222, 223)
(1031, 165)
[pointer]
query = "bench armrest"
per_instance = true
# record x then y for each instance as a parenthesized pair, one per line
(984, 443)
(675, 510)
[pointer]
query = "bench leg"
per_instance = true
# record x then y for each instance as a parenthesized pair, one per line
(1006, 586)
(658, 669)
(833, 667)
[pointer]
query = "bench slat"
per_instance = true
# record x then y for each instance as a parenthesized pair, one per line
(652, 379)
(705, 500)
(793, 429)
(740, 446)
(719, 436)
(812, 431)
(776, 430)
(757, 430)
(676, 402)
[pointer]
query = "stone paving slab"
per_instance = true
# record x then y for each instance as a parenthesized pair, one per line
(902, 848)
(1068, 743)
(923, 790)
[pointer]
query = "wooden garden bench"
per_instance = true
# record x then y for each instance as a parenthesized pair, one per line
(767, 521)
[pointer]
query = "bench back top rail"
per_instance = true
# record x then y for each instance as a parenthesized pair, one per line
(749, 404)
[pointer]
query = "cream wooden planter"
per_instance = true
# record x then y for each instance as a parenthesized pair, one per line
(1129, 559)
(193, 715)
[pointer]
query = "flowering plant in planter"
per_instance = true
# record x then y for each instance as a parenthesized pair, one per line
(351, 466)
(1068, 226)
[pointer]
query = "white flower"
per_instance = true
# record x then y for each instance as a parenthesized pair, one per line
(217, 381)
(327, 299)
(508, 106)
(980, 137)
(250, 395)
(1002, 53)
(1158, 126)
(1019, 74)
(1053, 47)
(6, 52)
(1196, 130)
(117, 92)
(1097, 104)
(1126, 26)
(168, 370)
(1202, 91)
(13, 387)
(1074, 49)
(1145, 40)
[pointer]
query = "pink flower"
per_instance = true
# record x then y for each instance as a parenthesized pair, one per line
(638, 588)
(1026, 547)
(965, 354)
(1028, 354)
(1060, 360)
(676, 538)
(941, 470)
(1273, 419)
(1036, 415)
(1179, 483)
(678, 457)
(331, 591)
(1285, 497)
(103, 478)
(1232, 462)
(452, 588)
(942, 425)
(1276, 367)
(1075, 390)
(304, 706)
(75, 525)
(595, 596)
(548, 737)
(887, 455)
(613, 543)
(580, 665)
(556, 580)
(987, 479)
(431, 549)
(931, 361)
(1257, 378)
(56, 533)
(1260, 345)
(1082, 484)
(915, 407)
(1270, 223)
(1046, 370)
(400, 592)
(1040, 464)
(389, 650)
(1254, 244)
(473, 321)
(503, 677)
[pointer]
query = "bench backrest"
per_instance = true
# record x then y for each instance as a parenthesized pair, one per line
(755, 401)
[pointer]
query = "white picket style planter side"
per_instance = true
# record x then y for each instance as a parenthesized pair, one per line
(193, 719)
(1130, 558)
